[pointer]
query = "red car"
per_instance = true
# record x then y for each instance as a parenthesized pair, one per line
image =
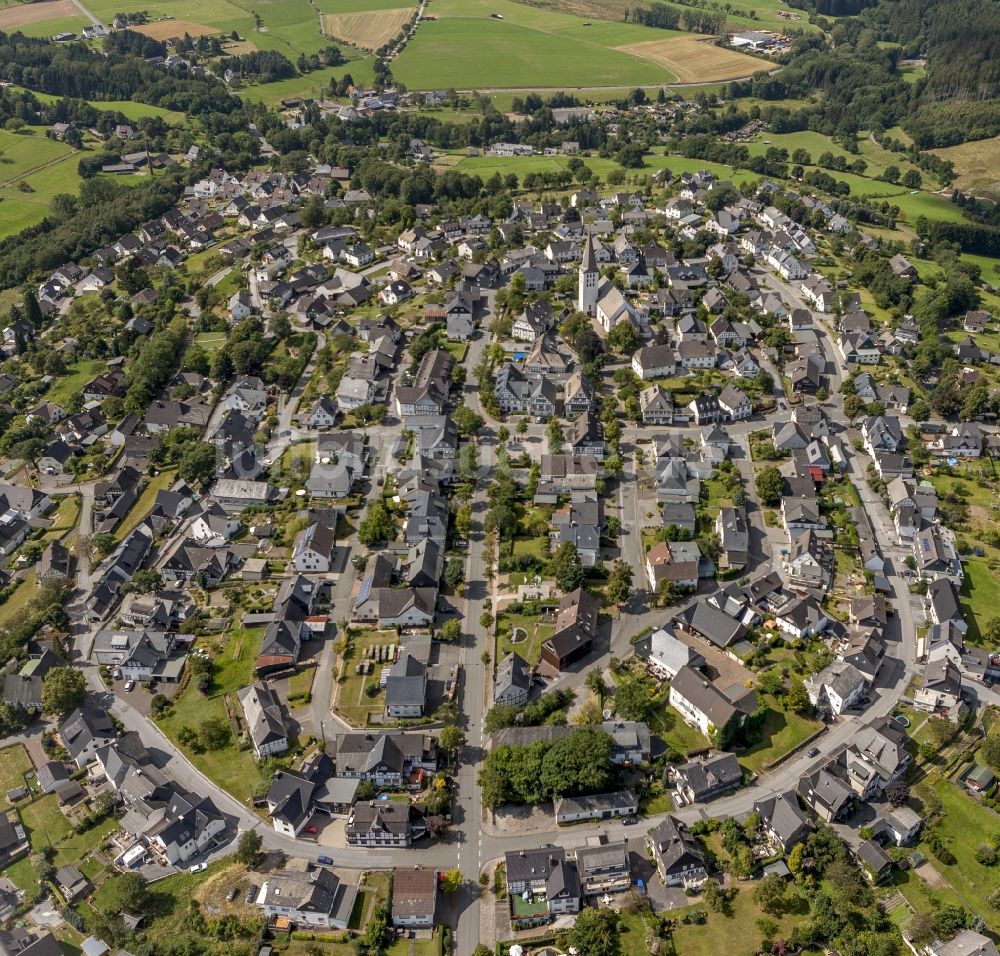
(312, 830)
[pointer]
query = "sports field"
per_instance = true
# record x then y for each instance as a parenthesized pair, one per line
(487, 44)
(696, 59)
(370, 30)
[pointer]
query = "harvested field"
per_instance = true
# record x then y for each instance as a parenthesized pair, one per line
(165, 29)
(367, 31)
(18, 16)
(695, 60)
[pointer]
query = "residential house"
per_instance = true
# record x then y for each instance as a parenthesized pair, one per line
(676, 853)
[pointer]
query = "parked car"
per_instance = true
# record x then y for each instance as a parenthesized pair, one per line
(197, 867)
(251, 894)
(325, 860)
(312, 830)
(129, 684)
(812, 752)
(231, 895)
(630, 820)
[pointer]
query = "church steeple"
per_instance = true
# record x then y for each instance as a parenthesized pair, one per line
(589, 279)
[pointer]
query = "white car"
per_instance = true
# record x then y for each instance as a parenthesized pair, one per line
(129, 684)
(198, 867)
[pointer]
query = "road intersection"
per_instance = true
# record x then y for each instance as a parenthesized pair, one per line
(474, 841)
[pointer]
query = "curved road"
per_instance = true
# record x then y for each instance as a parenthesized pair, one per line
(474, 841)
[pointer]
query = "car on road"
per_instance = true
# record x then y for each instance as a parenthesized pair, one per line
(197, 867)
(325, 860)
(129, 684)
(812, 752)
(630, 821)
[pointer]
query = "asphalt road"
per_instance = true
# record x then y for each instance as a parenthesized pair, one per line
(473, 841)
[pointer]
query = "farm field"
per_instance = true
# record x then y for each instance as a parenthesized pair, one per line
(692, 59)
(765, 14)
(290, 26)
(369, 30)
(466, 47)
(17, 15)
(128, 108)
(311, 84)
(50, 28)
(33, 169)
(977, 165)
(165, 29)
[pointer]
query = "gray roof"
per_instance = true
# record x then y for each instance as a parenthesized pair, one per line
(512, 672)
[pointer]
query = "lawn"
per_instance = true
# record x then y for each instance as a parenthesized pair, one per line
(466, 47)
(66, 387)
(669, 724)
(353, 700)
(15, 605)
(64, 518)
(233, 769)
(963, 826)
(980, 595)
(211, 342)
(14, 763)
(144, 505)
(734, 932)
(781, 732)
(537, 634)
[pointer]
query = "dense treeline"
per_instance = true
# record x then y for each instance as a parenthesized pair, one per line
(153, 362)
(104, 212)
(263, 65)
(970, 237)
(76, 71)
(693, 19)
(833, 8)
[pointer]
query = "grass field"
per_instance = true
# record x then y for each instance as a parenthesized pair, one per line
(14, 606)
(33, 169)
(144, 505)
(692, 59)
(64, 518)
(312, 84)
(166, 29)
(764, 14)
(465, 47)
(233, 769)
(353, 699)
(210, 341)
(290, 26)
(781, 732)
(977, 165)
(49, 28)
(370, 30)
(14, 764)
(963, 826)
(128, 108)
(980, 595)
(19, 15)
(68, 386)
